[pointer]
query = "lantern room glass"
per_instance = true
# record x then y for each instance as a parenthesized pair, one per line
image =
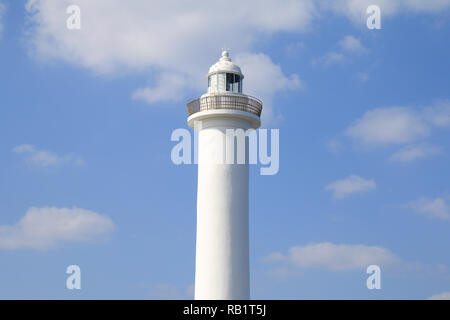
(221, 82)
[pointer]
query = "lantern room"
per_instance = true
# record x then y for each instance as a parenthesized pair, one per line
(225, 76)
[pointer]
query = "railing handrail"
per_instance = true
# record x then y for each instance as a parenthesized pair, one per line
(227, 94)
(237, 102)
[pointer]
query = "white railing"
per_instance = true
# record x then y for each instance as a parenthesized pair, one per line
(225, 101)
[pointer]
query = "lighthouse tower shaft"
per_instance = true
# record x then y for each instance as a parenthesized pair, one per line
(222, 244)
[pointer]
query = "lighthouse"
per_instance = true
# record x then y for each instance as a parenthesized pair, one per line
(222, 239)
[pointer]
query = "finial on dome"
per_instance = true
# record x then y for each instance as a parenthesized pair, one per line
(225, 56)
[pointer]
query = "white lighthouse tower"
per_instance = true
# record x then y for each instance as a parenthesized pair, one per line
(222, 248)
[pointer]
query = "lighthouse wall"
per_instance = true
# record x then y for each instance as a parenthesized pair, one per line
(222, 247)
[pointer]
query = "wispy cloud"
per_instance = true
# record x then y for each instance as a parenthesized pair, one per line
(440, 296)
(432, 208)
(362, 77)
(348, 46)
(293, 49)
(172, 292)
(329, 58)
(169, 87)
(439, 113)
(413, 152)
(334, 145)
(335, 257)
(350, 185)
(44, 158)
(48, 227)
(351, 44)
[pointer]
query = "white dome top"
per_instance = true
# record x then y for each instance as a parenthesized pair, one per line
(225, 65)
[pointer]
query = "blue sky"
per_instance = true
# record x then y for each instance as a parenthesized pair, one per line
(86, 118)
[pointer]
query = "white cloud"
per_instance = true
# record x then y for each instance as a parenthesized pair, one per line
(400, 125)
(293, 49)
(171, 40)
(433, 208)
(335, 257)
(257, 68)
(413, 152)
(165, 291)
(175, 42)
(48, 227)
(355, 10)
(169, 87)
(44, 158)
(329, 58)
(349, 45)
(352, 44)
(395, 125)
(179, 37)
(166, 35)
(190, 291)
(24, 148)
(403, 126)
(352, 184)
(439, 113)
(283, 272)
(334, 145)
(440, 296)
(427, 6)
